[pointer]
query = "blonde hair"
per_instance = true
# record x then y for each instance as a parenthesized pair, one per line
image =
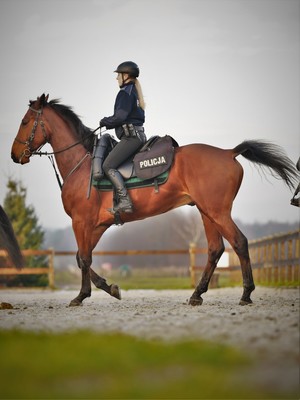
(140, 94)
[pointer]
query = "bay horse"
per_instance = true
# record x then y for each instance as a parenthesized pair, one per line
(201, 175)
(8, 240)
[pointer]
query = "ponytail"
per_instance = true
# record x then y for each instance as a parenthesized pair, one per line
(140, 94)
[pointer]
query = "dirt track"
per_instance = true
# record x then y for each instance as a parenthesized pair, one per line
(268, 330)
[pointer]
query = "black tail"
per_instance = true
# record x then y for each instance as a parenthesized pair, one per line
(266, 154)
(8, 240)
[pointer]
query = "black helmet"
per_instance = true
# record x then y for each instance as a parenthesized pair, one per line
(130, 68)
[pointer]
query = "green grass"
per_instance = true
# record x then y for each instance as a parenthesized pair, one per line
(137, 280)
(162, 282)
(85, 365)
(157, 283)
(147, 279)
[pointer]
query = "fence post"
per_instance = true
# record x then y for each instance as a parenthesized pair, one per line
(51, 269)
(192, 253)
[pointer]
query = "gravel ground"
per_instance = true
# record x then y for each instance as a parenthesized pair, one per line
(267, 330)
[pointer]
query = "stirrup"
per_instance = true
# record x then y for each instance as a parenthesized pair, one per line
(126, 210)
(123, 206)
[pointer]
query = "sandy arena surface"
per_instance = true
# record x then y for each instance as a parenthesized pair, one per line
(268, 330)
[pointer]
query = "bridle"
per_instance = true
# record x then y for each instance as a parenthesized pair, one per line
(27, 152)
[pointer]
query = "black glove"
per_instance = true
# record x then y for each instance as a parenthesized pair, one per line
(106, 121)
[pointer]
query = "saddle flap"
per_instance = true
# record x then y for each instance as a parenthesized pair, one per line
(127, 169)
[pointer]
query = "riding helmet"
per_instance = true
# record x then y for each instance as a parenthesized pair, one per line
(130, 68)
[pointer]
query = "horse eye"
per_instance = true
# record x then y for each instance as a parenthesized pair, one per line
(24, 122)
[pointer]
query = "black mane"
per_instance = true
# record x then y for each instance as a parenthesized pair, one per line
(82, 132)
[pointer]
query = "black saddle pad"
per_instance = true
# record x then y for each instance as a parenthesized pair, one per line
(155, 157)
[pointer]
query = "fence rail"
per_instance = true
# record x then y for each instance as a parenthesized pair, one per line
(275, 259)
(32, 270)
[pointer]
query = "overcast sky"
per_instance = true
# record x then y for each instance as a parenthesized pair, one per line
(212, 71)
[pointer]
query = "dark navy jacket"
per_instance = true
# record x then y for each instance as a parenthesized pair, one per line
(126, 110)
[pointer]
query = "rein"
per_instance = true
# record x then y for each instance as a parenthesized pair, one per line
(45, 153)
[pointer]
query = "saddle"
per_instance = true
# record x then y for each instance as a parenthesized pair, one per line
(148, 167)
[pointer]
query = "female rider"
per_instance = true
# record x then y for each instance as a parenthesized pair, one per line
(127, 120)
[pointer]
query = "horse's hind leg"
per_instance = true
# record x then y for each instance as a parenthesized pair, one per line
(239, 243)
(215, 250)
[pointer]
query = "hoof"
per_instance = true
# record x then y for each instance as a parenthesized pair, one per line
(115, 291)
(245, 302)
(75, 303)
(195, 302)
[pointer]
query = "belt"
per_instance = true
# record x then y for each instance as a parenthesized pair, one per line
(139, 128)
(131, 130)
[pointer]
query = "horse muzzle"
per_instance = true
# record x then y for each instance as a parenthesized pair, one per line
(24, 158)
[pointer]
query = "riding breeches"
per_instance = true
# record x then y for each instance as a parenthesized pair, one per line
(125, 148)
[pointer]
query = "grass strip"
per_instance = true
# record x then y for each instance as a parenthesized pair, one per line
(87, 365)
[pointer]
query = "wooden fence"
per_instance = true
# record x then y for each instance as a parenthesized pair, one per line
(275, 260)
(34, 270)
(51, 253)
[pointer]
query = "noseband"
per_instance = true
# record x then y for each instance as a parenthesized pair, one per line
(28, 151)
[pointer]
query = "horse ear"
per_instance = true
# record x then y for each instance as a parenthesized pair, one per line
(43, 99)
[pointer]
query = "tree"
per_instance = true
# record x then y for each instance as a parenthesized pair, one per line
(29, 233)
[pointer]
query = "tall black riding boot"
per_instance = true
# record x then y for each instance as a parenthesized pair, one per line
(124, 204)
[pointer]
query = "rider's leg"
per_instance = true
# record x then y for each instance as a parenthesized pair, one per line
(124, 204)
(102, 149)
(119, 154)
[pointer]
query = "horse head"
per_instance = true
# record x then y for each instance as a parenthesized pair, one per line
(32, 133)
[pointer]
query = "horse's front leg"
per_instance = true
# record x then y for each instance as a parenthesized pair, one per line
(100, 283)
(97, 280)
(85, 291)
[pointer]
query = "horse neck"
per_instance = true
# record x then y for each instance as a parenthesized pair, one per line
(62, 138)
